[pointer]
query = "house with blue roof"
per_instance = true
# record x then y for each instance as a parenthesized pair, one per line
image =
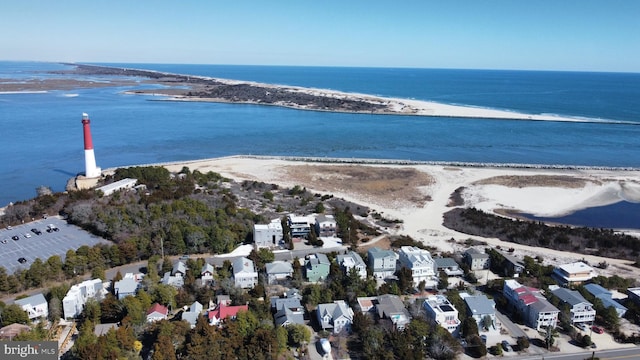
(606, 297)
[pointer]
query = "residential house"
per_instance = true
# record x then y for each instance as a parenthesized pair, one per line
(128, 286)
(449, 266)
(300, 226)
(175, 278)
(35, 305)
(391, 307)
(634, 294)
(482, 309)
(326, 226)
(223, 313)
(440, 310)
(337, 316)
(288, 310)
(316, 267)
(513, 266)
(580, 309)
(573, 273)
(382, 262)
(421, 264)
(268, 235)
(206, 274)
(606, 297)
(278, 270)
(352, 260)
(157, 312)
(244, 273)
(78, 295)
(534, 308)
(477, 260)
(191, 316)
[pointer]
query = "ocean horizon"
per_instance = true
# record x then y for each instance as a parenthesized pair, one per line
(42, 133)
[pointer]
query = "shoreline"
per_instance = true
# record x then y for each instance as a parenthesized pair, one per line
(372, 161)
(209, 89)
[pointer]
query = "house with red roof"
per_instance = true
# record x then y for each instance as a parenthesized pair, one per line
(157, 312)
(534, 308)
(223, 312)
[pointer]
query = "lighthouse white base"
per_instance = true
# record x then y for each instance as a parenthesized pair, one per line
(91, 170)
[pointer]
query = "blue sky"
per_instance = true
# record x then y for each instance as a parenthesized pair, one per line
(575, 35)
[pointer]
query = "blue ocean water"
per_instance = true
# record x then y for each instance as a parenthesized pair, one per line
(42, 135)
(621, 215)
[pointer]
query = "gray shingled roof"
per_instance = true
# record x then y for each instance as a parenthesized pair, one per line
(570, 297)
(445, 262)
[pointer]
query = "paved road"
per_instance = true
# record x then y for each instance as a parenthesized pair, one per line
(513, 329)
(626, 353)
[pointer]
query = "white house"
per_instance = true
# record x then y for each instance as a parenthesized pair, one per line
(128, 286)
(573, 273)
(420, 263)
(581, 310)
(157, 312)
(206, 274)
(175, 278)
(118, 185)
(337, 316)
(326, 226)
(440, 310)
(382, 262)
(300, 226)
(77, 296)
(268, 235)
(36, 306)
(278, 270)
(244, 273)
(352, 260)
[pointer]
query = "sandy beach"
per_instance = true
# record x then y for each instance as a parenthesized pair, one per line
(389, 106)
(419, 195)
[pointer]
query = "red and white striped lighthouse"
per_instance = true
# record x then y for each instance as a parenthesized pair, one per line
(91, 170)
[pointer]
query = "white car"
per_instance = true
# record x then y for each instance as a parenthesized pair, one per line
(27, 235)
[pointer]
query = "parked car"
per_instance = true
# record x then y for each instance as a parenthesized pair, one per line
(15, 237)
(597, 329)
(51, 228)
(27, 235)
(22, 260)
(506, 346)
(581, 326)
(484, 338)
(36, 231)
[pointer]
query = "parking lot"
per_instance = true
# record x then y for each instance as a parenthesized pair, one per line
(42, 246)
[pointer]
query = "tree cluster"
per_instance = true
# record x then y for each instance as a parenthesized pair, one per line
(604, 242)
